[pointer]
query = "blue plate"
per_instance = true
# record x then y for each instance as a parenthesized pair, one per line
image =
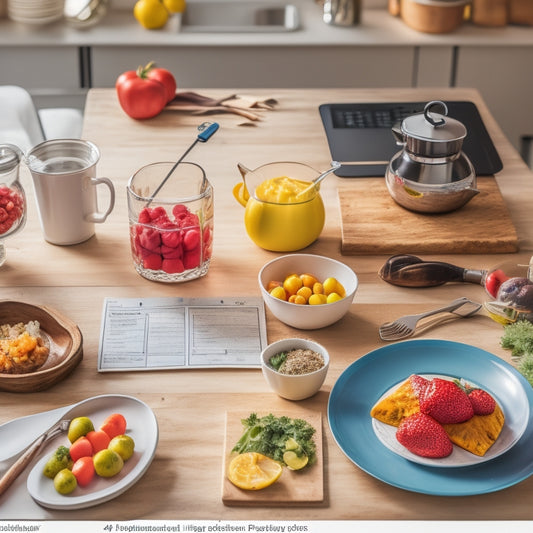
(364, 381)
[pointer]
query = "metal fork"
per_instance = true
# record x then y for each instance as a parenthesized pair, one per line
(22, 462)
(405, 326)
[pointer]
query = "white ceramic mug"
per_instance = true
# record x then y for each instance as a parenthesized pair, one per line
(65, 182)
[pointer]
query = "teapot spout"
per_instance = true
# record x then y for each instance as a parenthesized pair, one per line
(243, 170)
(240, 192)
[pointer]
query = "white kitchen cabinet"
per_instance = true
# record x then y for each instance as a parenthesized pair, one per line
(50, 73)
(504, 77)
(434, 66)
(262, 66)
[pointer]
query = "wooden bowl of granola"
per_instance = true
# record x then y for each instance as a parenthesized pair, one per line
(58, 350)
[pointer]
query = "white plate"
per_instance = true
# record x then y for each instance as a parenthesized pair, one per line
(141, 426)
(512, 430)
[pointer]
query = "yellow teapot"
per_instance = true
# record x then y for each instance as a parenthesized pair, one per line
(284, 210)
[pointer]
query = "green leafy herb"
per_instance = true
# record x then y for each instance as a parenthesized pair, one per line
(277, 360)
(268, 435)
(518, 337)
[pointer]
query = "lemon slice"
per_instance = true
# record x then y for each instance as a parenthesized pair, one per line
(294, 460)
(253, 471)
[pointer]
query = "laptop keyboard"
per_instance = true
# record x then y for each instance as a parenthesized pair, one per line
(379, 116)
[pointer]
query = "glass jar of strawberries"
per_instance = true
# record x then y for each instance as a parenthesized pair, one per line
(12, 197)
(170, 211)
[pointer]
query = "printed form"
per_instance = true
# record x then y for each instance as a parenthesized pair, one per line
(178, 333)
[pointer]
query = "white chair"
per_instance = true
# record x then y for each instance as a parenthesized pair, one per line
(23, 125)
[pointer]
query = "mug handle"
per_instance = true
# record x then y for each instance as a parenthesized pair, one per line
(100, 217)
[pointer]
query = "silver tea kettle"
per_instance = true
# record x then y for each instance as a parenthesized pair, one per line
(431, 174)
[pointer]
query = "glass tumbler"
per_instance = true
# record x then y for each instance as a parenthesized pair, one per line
(170, 221)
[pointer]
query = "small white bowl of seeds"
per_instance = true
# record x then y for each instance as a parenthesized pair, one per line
(295, 369)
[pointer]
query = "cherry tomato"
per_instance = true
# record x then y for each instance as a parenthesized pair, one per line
(83, 470)
(139, 95)
(494, 280)
(81, 447)
(114, 424)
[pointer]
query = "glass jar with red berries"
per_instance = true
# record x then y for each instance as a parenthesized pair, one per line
(12, 197)
(170, 210)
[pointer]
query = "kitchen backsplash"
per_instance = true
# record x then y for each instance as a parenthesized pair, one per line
(127, 4)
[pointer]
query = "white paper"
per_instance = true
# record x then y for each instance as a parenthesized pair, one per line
(179, 333)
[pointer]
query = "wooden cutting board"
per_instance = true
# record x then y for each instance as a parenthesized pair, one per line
(305, 487)
(373, 223)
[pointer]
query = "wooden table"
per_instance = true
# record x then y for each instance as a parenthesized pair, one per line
(184, 480)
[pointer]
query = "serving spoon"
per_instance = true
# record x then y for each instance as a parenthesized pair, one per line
(334, 166)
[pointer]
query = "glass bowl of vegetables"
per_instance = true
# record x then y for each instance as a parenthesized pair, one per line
(510, 285)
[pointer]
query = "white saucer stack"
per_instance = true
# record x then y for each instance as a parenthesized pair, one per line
(35, 11)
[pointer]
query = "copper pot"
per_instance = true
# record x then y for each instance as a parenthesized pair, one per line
(433, 16)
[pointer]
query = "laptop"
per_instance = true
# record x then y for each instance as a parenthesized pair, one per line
(360, 137)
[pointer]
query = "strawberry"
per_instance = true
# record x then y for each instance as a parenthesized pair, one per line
(446, 402)
(418, 383)
(482, 402)
(423, 436)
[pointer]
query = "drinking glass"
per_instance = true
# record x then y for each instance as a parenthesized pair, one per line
(170, 210)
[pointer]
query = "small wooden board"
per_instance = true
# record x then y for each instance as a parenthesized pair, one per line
(373, 223)
(305, 487)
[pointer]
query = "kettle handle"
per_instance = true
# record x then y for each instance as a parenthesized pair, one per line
(429, 118)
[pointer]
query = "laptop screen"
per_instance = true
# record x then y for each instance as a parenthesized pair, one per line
(360, 138)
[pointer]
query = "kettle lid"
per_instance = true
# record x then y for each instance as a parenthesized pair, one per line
(431, 126)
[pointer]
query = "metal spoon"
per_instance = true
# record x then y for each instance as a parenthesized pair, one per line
(334, 166)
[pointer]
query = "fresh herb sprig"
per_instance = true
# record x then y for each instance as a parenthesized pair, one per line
(518, 337)
(268, 435)
(277, 360)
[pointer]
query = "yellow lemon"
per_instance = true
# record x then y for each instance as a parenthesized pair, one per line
(107, 463)
(65, 481)
(253, 471)
(175, 6)
(292, 284)
(318, 299)
(333, 297)
(294, 460)
(151, 14)
(279, 293)
(123, 445)
(79, 427)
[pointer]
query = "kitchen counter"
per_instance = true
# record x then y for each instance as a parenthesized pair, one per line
(61, 63)
(184, 480)
(377, 28)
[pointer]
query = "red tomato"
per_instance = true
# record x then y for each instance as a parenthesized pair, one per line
(99, 440)
(81, 447)
(83, 470)
(494, 280)
(114, 425)
(166, 78)
(140, 96)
